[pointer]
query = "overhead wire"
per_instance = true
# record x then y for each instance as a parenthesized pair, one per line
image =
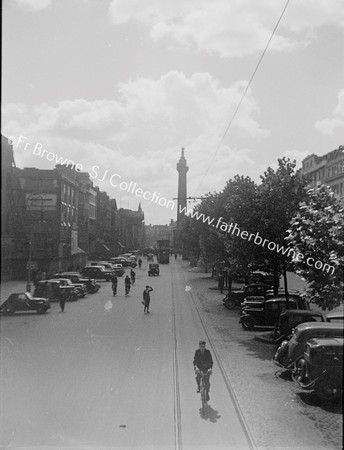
(244, 93)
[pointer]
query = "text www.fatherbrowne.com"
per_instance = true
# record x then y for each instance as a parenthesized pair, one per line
(156, 198)
(233, 229)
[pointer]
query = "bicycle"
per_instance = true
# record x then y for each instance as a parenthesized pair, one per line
(204, 388)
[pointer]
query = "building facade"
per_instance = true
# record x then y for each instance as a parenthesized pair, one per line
(327, 169)
(56, 219)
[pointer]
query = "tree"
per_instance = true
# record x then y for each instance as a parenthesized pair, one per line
(280, 194)
(316, 232)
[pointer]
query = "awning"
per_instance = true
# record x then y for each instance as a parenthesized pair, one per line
(120, 244)
(106, 248)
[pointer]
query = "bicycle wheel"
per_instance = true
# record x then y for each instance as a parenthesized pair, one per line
(203, 397)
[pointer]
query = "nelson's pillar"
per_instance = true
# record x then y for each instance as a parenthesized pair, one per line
(182, 202)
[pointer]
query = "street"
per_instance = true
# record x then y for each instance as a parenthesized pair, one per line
(105, 375)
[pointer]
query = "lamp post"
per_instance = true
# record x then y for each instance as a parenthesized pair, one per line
(31, 202)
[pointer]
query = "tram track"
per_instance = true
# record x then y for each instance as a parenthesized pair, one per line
(223, 372)
(177, 409)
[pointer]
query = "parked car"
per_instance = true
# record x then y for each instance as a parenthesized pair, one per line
(291, 350)
(259, 276)
(54, 290)
(290, 319)
(119, 260)
(119, 270)
(24, 302)
(77, 278)
(105, 264)
(258, 301)
(97, 272)
(320, 368)
(335, 316)
(238, 296)
(293, 293)
(266, 314)
(153, 270)
(80, 287)
(131, 263)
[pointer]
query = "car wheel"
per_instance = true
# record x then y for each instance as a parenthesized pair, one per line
(300, 371)
(328, 389)
(229, 304)
(41, 310)
(247, 323)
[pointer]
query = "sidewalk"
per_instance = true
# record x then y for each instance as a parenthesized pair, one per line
(277, 414)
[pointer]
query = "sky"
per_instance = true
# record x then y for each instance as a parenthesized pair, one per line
(120, 86)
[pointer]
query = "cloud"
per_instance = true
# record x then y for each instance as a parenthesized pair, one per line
(139, 134)
(147, 115)
(329, 125)
(229, 28)
(33, 5)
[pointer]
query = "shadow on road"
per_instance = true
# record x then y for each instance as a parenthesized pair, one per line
(209, 414)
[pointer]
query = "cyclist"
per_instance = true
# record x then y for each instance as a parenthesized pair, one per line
(203, 362)
(114, 282)
(127, 284)
(132, 276)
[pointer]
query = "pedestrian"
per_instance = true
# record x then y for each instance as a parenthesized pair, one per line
(140, 263)
(203, 362)
(62, 301)
(114, 282)
(127, 284)
(175, 256)
(132, 276)
(146, 298)
(221, 282)
(230, 281)
(225, 276)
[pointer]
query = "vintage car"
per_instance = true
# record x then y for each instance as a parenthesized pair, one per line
(293, 293)
(77, 278)
(320, 368)
(80, 287)
(24, 302)
(153, 270)
(237, 297)
(290, 319)
(97, 272)
(150, 257)
(291, 350)
(259, 276)
(335, 316)
(54, 290)
(118, 269)
(266, 314)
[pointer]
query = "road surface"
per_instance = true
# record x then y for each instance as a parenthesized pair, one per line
(105, 375)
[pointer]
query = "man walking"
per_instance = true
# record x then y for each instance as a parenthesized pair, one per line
(146, 298)
(221, 282)
(62, 301)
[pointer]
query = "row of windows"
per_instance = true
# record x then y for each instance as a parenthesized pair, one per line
(68, 194)
(338, 189)
(68, 214)
(335, 170)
